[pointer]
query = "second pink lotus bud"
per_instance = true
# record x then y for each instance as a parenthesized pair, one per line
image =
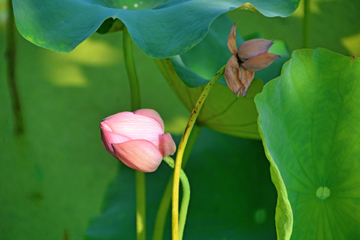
(137, 139)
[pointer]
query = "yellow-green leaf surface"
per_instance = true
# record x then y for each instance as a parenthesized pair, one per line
(309, 121)
(222, 111)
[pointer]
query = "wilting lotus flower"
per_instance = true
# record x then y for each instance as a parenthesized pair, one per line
(251, 56)
(137, 139)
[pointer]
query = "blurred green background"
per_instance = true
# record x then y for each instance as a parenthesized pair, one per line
(53, 178)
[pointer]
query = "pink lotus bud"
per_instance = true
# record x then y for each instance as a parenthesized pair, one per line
(137, 139)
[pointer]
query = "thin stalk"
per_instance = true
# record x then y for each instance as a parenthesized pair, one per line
(130, 70)
(11, 54)
(190, 144)
(186, 197)
(162, 212)
(180, 152)
(166, 198)
(306, 24)
(135, 104)
(140, 205)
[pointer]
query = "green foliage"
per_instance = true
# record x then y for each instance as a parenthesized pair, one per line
(222, 111)
(309, 121)
(236, 201)
(157, 27)
(54, 176)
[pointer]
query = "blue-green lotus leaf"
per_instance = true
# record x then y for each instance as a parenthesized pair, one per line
(198, 65)
(309, 122)
(160, 28)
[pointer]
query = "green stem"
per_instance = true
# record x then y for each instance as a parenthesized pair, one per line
(190, 144)
(186, 197)
(162, 212)
(140, 205)
(180, 152)
(306, 24)
(10, 54)
(130, 70)
(135, 104)
(166, 198)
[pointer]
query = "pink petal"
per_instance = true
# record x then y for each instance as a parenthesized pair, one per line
(140, 155)
(232, 75)
(151, 114)
(116, 117)
(231, 41)
(108, 138)
(135, 126)
(168, 145)
(259, 62)
(253, 48)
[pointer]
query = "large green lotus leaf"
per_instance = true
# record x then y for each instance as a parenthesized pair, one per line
(198, 65)
(309, 121)
(222, 111)
(160, 28)
(232, 196)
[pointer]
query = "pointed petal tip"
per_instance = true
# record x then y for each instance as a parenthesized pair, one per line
(244, 91)
(237, 92)
(231, 41)
(260, 61)
(168, 144)
(104, 126)
(253, 47)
